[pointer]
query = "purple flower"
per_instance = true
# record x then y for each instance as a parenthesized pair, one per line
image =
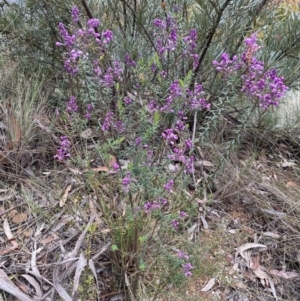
(168, 186)
(89, 107)
(163, 74)
(182, 255)
(70, 68)
(119, 126)
(138, 141)
(107, 121)
(75, 54)
(189, 165)
(182, 214)
(168, 105)
(62, 30)
(108, 80)
(93, 23)
(197, 102)
(127, 100)
(153, 67)
(68, 40)
(226, 66)
(126, 182)
(65, 142)
(75, 14)
(116, 166)
(129, 61)
(150, 154)
(87, 116)
(178, 155)
(63, 152)
(107, 36)
(175, 224)
(152, 106)
(159, 23)
(187, 267)
(191, 40)
(150, 206)
(175, 89)
(180, 126)
(188, 144)
(170, 136)
(72, 105)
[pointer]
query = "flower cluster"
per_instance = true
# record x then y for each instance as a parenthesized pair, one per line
(265, 87)
(187, 266)
(176, 222)
(126, 182)
(64, 151)
(76, 44)
(107, 121)
(196, 100)
(190, 49)
(72, 105)
(166, 35)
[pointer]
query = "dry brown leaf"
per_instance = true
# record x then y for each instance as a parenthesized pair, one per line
(100, 168)
(204, 222)
(254, 262)
(28, 232)
(285, 275)
(8, 286)
(94, 271)
(94, 211)
(240, 250)
(199, 201)
(112, 161)
(12, 213)
(86, 133)
(271, 283)
(65, 196)
(34, 283)
(10, 237)
(191, 231)
(19, 218)
(240, 285)
(203, 163)
(209, 285)
(75, 171)
(291, 184)
(271, 234)
(49, 239)
(81, 263)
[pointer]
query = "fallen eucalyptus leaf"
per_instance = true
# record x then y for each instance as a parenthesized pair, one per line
(65, 196)
(209, 285)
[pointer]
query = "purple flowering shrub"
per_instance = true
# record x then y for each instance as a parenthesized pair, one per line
(263, 87)
(140, 108)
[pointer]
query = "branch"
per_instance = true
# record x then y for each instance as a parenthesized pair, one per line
(89, 13)
(143, 27)
(209, 38)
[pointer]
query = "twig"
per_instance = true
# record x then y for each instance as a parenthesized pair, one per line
(209, 38)
(143, 27)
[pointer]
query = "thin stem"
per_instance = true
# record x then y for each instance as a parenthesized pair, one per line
(209, 39)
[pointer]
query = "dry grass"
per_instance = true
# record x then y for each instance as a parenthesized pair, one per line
(255, 199)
